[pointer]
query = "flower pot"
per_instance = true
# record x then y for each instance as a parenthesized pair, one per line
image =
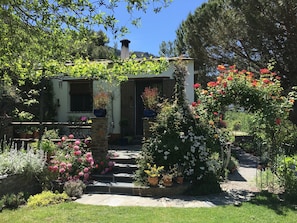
(149, 113)
(180, 180)
(153, 181)
(101, 112)
(167, 182)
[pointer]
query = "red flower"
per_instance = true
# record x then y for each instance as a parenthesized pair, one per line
(232, 67)
(215, 113)
(254, 83)
(278, 77)
(266, 81)
(197, 85)
(278, 121)
(229, 78)
(211, 84)
(194, 104)
(264, 71)
(225, 84)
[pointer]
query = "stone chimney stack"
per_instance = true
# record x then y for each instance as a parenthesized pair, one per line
(125, 48)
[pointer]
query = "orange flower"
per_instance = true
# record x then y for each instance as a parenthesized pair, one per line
(219, 79)
(211, 84)
(221, 68)
(254, 83)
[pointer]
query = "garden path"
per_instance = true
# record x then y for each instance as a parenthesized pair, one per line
(240, 186)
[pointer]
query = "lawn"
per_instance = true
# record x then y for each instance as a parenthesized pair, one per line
(262, 209)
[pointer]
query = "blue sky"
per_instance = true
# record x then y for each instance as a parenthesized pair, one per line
(155, 27)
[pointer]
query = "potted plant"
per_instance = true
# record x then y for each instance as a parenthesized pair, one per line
(167, 179)
(100, 100)
(153, 173)
(150, 98)
(178, 174)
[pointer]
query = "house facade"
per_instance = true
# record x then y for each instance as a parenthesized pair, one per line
(125, 110)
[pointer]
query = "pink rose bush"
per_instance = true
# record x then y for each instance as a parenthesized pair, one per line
(72, 161)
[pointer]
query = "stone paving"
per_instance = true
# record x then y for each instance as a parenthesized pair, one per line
(240, 186)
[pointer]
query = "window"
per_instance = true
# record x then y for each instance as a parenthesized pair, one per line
(81, 96)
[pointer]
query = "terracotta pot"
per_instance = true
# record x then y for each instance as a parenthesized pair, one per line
(180, 180)
(153, 181)
(167, 182)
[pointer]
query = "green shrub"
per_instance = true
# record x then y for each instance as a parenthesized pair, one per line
(287, 172)
(179, 138)
(74, 188)
(13, 201)
(47, 198)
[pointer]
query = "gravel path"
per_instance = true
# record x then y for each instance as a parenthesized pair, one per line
(242, 183)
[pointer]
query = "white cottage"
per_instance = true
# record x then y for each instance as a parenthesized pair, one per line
(74, 96)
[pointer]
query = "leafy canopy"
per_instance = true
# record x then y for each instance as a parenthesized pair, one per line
(42, 35)
(242, 32)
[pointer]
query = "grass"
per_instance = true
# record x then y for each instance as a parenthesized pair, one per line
(265, 208)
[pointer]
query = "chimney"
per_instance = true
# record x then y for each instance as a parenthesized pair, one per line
(125, 48)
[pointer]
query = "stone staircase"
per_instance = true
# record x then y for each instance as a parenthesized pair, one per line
(120, 180)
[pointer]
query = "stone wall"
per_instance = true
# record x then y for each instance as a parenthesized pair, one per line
(99, 136)
(19, 183)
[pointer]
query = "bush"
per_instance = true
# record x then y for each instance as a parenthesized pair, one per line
(47, 198)
(22, 161)
(13, 201)
(179, 138)
(73, 160)
(287, 172)
(74, 188)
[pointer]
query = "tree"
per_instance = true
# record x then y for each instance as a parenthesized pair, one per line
(38, 37)
(167, 49)
(248, 33)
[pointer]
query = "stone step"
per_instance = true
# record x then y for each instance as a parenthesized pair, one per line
(113, 188)
(120, 180)
(124, 167)
(114, 177)
(123, 177)
(132, 189)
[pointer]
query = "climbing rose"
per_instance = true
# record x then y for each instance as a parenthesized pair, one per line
(197, 85)
(264, 71)
(221, 68)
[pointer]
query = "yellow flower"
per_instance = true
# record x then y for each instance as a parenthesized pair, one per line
(211, 122)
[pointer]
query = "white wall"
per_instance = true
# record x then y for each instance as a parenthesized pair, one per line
(61, 90)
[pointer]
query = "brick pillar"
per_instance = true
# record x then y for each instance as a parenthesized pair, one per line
(6, 127)
(99, 144)
(147, 123)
